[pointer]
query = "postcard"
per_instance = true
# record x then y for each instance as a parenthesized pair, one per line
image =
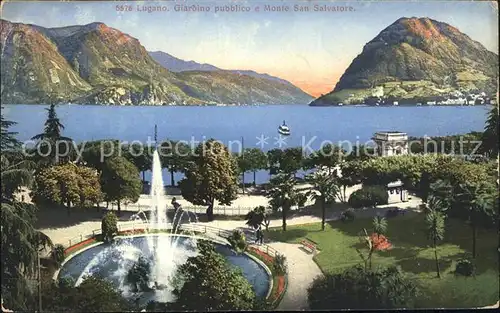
(221, 155)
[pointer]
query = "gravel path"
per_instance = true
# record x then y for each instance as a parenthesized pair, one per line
(301, 272)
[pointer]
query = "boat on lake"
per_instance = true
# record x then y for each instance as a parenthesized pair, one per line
(284, 130)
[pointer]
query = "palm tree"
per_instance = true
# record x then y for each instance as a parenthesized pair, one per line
(283, 194)
(490, 135)
(480, 202)
(379, 225)
(441, 191)
(435, 232)
(324, 188)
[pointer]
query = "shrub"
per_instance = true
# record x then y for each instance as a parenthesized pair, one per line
(368, 196)
(347, 216)
(280, 265)
(139, 275)
(109, 226)
(238, 241)
(465, 267)
(57, 254)
(357, 288)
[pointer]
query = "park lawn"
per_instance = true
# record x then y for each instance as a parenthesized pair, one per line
(412, 252)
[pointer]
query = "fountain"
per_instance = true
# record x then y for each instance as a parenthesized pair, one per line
(165, 252)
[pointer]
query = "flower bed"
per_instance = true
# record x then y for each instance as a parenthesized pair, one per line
(132, 232)
(79, 246)
(279, 281)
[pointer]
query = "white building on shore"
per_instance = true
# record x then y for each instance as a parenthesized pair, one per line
(391, 143)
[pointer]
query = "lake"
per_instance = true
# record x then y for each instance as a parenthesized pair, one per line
(309, 126)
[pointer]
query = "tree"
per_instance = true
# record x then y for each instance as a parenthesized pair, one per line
(20, 241)
(324, 189)
(15, 172)
(291, 160)
(109, 226)
(252, 160)
(94, 294)
(273, 158)
(490, 135)
(368, 196)
(139, 275)
(95, 153)
(238, 241)
(8, 141)
(283, 195)
(211, 176)
(435, 232)
(361, 153)
(51, 142)
(57, 254)
(68, 185)
(287, 161)
(141, 156)
(374, 242)
(120, 181)
(209, 283)
(379, 225)
(326, 158)
(258, 216)
(20, 245)
(480, 200)
(350, 175)
(175, 155)
(359, 288)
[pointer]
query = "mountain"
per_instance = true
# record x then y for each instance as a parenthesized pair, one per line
(415, 58)
(174, 64)
(97, 64)
(178, 65)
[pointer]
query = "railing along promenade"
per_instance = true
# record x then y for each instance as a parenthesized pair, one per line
(193, 227)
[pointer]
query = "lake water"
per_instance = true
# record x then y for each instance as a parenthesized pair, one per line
(310, 126)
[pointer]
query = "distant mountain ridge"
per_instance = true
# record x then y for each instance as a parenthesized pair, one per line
(413, 59)
(175, 64)
(97, 64)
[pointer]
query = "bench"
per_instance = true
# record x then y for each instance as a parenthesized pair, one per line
(309, 245)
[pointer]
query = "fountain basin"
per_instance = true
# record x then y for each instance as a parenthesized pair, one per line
(113, 261)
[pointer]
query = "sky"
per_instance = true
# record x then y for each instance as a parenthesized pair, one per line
(310, 49)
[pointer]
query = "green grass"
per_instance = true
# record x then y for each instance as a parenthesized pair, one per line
(412, 252)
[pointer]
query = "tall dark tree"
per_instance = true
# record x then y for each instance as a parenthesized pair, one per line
(20, 245)
(8, 140)
(490, 136)
(53, 147)
(211, 176)
(20, 241)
